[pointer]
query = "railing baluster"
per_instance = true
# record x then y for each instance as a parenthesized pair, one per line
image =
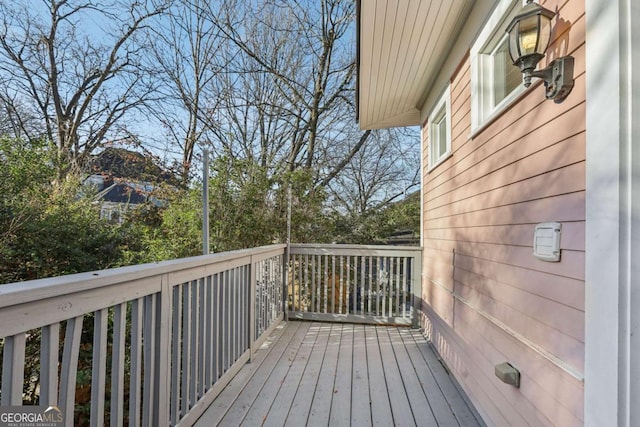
(362, 284)
(149, 361)
(205, 340)
(397, 298)
(244, 306)
(176, 351)
(293, 273)
(193, 361)
(334, 284)
(276, 277)
(13, 369)
(405, 260)
(300, 283)
(388, 286)
(234, 315)
(231, 317)
(225, 322)
(252, 306)
(352, 285)
(319, 285)
(265, 295)
(340, 284)
(260, 309)
(202, 301)
(162, 368)
(380, 308)
(269, 294)
(246, 300)
(312, 308)
(135, 376)
(186, 347)
(48, 365)
(215, 323)
(208, 335)
(117, 365)
(216, 327)
(99, 367)
(370, 287)
(220, 327)
(72, 335)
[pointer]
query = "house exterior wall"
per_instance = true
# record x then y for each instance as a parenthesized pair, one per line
(486, 298)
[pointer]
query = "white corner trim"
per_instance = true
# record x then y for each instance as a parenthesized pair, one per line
(612, 276)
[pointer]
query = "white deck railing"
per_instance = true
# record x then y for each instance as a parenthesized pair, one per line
(162, 339)
(154, 344)
(358, 284)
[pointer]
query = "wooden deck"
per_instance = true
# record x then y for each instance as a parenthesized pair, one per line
(322, 374)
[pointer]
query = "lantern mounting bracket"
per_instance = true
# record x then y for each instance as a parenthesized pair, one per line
(558, 78)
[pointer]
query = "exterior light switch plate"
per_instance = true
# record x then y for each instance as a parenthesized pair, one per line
(546, 241)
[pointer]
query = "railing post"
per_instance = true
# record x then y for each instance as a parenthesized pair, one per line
(416, 286)
(252, 306)
(285, 282)
(163, 355)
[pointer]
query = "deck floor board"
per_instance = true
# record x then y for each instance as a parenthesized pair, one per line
(415, 394)
(381, 414)
(301, 406)
(321, 405)
(360, 400)
(342, 391)
(342, 374)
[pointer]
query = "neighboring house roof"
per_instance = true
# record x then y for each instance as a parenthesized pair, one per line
(122, 191)
(402, 47)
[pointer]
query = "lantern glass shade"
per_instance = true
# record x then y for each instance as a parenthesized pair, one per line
(530, 32)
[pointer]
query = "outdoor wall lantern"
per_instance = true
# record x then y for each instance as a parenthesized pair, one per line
(529, 35)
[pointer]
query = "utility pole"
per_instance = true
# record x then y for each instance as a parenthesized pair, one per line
(205, 202)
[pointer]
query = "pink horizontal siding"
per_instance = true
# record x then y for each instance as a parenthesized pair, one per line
(487, 298)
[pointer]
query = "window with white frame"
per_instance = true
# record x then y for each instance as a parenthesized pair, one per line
(495, 81)
(439, 125)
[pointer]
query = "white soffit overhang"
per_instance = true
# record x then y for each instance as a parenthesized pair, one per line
(402, 45)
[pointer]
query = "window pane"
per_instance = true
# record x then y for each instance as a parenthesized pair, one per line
(439, 124)
(442, 136)
(506, 76)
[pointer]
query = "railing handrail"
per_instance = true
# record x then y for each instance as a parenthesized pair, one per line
(34, 290)
(367, 248)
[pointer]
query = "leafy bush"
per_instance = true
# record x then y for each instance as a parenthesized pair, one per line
(47, 230)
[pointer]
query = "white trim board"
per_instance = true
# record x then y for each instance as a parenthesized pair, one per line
(612, 316)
